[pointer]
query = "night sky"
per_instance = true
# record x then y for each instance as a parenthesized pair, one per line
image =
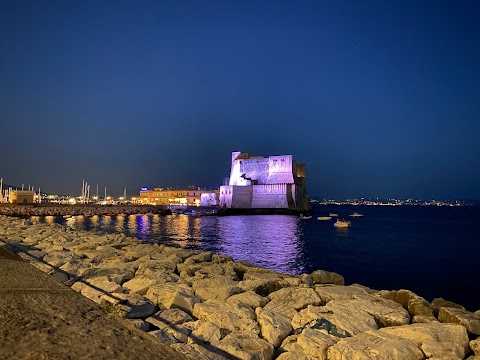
(377, 98)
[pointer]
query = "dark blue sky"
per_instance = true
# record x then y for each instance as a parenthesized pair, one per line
(378, 98)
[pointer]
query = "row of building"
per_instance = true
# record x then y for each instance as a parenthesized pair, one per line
(254, 182)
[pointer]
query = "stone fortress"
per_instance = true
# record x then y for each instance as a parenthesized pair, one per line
(257, 182)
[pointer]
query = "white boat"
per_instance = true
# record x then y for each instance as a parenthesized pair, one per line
(355, 214)
(305, 217)
(324, 218)
(342, 223)
(332, 214)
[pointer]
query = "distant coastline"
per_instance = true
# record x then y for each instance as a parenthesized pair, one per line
(394, 202)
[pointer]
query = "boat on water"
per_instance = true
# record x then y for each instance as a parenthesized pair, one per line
(305, 217)
(111, 214)
(356, 214)
(333, 214)
(324, 218)
(342, 223)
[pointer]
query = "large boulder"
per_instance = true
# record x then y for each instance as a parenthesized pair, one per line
(434, 339)
(386, 312)
(250, 298)
(348, 319)
(327, 277)
(218, 287)
(289, 300)
(338, 292)
(274, 327)
(169, 296)
(314, 343)
(246, 347)
(232, 315)
(460, 316)
(374, 344)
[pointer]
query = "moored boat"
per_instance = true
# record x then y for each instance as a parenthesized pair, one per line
(305, 217)
(356, 214)
(342, 223)
(324, 218)
(333, 214)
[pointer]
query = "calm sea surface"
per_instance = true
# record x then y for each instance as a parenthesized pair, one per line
(432, 251)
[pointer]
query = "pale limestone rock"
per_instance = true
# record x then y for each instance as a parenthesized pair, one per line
(250, 298)
(103, 283)
(173, 296)
(165, 318)
(329, 292)
(374, 344)
(306, 279)
(156, 267)
(220, 258)
(58, 258)
(475, 346)
(353, 321)
(163, 336)
(189, 352)
(327, 277)
(434, 339)
(414, 303)
(140, 324)
(194, 272)
(423, 319)
(291, 355)
(89, 292)
(205, 256)
(288, 300)
(472, 357)
(460, 316)
(208, 332)
(263, 282)
(246, 346)
(219, 287)
(232, 315)
(210, 352)
(119, 275)
(438, 303)
(140, 284)
(313, 343)
(274, 327)
(134, 306)
(386, 312)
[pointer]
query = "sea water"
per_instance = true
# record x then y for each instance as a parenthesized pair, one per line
(432, 251)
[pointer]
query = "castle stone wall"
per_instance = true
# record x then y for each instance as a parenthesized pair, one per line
(270, 196)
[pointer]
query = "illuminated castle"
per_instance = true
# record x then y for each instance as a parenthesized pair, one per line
(264, 183)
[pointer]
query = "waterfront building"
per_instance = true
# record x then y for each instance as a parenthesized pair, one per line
(210, 198)
(265, 182)
(171, 197)
(22, 197)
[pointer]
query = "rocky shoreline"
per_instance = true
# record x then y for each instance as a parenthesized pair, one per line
(75, 210)
(208, 306)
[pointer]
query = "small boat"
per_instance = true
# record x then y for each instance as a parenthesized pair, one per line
(305, 217)
(355, 214)
(342, 223)
(332, 214)
(111, 214)
(67, 216)
(324, 218)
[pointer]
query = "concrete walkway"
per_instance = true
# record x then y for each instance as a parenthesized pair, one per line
(43, 319)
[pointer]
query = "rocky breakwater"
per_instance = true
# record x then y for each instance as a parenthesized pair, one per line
(75, 210)
(208, 306)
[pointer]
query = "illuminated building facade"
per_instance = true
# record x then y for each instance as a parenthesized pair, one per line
(160, 196)
(257, 182)
(22, 197)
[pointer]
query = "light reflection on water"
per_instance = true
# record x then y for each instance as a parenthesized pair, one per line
(424, 249)
(271, 241)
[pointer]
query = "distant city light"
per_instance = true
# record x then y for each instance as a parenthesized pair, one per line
(144, 189)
